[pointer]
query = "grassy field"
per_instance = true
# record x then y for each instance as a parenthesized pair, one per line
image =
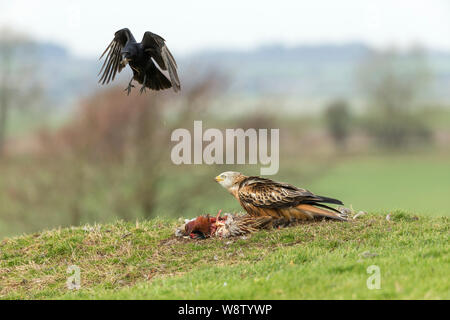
(323, 260)
(417, 183)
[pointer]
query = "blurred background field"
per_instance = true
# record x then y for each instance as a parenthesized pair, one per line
(366, 124)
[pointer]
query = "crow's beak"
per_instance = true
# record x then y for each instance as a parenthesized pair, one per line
(124, 61)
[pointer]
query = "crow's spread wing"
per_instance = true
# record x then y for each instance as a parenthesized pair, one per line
(155, 46)
(112, 63)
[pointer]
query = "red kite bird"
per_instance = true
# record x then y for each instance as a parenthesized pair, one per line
(264, 197)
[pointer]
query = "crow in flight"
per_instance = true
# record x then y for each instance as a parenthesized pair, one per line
(145, 59)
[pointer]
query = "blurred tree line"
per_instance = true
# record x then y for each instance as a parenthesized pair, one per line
(125, 140)
(19, 87)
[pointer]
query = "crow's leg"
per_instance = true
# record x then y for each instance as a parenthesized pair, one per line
(143, 84)
(128, 89)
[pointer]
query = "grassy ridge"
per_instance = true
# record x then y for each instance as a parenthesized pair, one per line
(308, 261)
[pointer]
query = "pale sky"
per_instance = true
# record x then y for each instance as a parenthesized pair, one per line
(87, 26)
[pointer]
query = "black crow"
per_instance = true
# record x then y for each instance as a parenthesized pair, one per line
(141, 57)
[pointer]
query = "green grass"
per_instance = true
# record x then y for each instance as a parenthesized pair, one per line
(323, 260)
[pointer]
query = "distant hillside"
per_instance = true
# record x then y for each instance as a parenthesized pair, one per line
(303, 72)
(311, 72)
(66, 77)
